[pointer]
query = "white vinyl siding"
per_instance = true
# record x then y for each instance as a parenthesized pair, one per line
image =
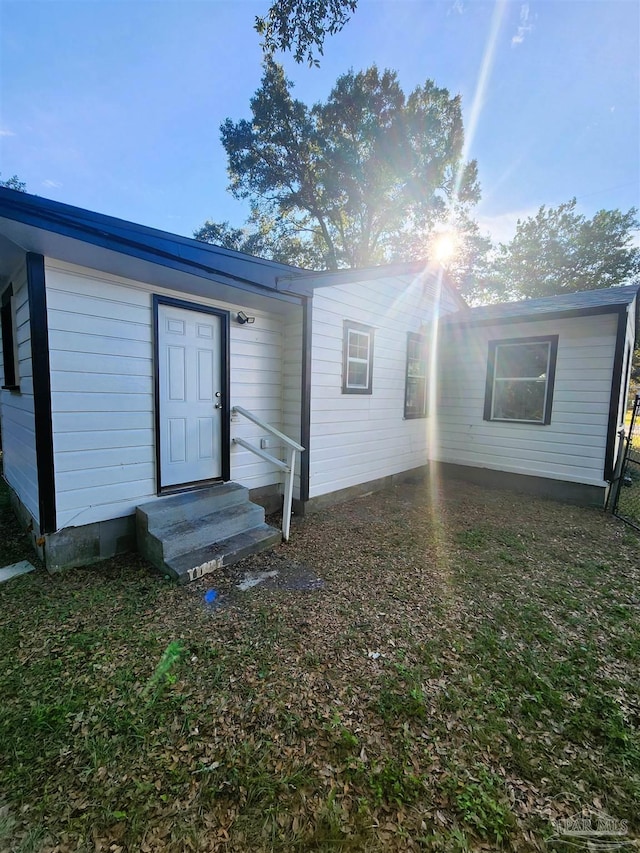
(358, 438)
(572, 446)
(256, 385)
(102, 390)
(292, 384)
(18, 418)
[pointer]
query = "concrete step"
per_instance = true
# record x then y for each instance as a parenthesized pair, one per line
(192, 533)
(195, 564)
(173, 539)
(190, 505)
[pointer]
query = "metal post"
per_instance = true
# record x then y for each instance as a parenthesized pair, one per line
(288, 493)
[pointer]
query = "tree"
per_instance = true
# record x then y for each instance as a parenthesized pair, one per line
(262, 237)
(468, 264)
(14, 183)
(303, 25)
(225, 235)
(354, 181)
(561, 251)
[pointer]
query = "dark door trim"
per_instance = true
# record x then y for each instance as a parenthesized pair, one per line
(225, 433)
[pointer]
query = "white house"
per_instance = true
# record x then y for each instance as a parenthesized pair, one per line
(151, 384)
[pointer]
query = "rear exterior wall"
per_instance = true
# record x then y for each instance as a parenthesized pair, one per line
(572, 447)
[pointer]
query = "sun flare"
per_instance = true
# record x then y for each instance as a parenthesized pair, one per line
(444, 246)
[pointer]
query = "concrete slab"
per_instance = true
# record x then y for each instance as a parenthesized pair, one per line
(251, 580)
(277, 573)
(21, 568)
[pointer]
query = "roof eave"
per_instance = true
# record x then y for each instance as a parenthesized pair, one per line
(235, 268)
(310, 281)
(466, 320)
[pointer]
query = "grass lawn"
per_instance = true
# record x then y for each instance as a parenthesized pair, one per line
(467, 677)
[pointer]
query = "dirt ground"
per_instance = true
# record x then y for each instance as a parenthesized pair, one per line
(436, 667)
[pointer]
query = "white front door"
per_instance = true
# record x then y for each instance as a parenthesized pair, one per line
(190, 401)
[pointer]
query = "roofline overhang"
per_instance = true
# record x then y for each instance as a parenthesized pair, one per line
(310, 281)
(453, 321)
(149, 244)
(235, 269)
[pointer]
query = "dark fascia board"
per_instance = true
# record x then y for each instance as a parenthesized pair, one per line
(309, 281)
(455, 321)
(182, 253)
(580, 302)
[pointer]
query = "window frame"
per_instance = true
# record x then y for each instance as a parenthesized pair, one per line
(10, 364)
(348, 327)
(493, 350)
(421, 340)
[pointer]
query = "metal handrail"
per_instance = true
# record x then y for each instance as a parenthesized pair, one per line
(288, 467)
(256, 420)
(262, 454)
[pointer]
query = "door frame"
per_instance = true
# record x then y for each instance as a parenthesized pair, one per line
(225, 381)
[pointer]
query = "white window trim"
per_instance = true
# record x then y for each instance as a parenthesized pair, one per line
(352, 359)
(417, 337)
(352, 328)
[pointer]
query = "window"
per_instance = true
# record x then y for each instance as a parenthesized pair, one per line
(415, 389)
(9, 342)
(357, 358)
(520, 375)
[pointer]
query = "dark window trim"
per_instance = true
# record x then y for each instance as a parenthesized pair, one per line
(422, 340)
(348, 326)
(225, 437)
(551, 378)
(614, 399)
(41, 391)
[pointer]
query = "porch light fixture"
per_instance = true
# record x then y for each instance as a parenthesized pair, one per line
(242, 318)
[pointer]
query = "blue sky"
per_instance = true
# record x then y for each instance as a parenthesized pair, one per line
(116, 106)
